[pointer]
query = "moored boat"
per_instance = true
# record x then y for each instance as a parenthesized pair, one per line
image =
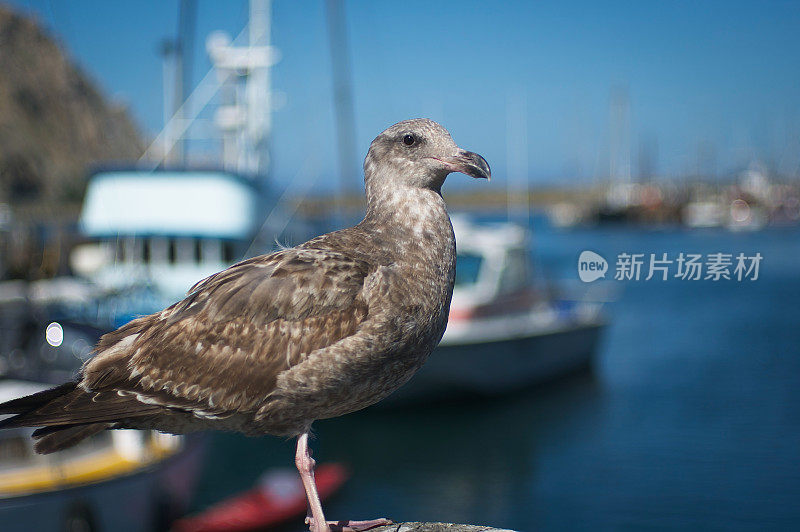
(508, 328)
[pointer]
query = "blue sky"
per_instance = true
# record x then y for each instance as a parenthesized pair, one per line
(700, 76)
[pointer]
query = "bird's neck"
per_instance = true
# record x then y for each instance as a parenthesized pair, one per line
(418, 212)
(412, 226)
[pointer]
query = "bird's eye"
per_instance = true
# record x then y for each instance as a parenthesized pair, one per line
(408, 140)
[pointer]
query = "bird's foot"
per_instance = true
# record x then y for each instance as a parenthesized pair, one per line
(347, 526)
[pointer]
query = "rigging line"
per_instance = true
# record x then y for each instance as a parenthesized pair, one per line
(299, 186)
(181, 120)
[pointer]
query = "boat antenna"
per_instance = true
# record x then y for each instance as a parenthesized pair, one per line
(518, 181)
(184, 55)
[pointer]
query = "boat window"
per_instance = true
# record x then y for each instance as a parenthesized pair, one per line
(468, 268)
(184, 250)
(172, 252)
(516, 273)
(159, 250)
(132, 249)
(212, 251)
(228, 252)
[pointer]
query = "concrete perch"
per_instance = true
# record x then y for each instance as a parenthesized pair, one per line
(435, 527)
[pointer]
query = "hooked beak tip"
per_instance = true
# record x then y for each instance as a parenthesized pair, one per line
(471, 164)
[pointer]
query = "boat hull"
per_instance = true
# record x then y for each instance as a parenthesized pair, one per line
(501, 366)
(146, 500)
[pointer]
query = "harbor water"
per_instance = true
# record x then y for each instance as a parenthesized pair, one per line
(690, 418)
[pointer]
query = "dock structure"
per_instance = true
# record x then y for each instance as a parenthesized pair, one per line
(413, 526)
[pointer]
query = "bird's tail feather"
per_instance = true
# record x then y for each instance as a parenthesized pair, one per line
(34, 401)
(68, 414)
(52, 439)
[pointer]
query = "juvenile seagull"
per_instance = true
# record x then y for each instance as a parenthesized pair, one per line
(275, 342)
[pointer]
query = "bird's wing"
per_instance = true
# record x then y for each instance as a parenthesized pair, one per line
(221, 349)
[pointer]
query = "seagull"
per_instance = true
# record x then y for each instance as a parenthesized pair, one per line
(278, 341)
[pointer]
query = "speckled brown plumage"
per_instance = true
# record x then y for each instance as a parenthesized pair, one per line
(277, 341)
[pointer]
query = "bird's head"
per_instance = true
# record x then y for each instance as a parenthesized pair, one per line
(419, 153)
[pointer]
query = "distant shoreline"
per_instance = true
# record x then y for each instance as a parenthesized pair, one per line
(485, 200)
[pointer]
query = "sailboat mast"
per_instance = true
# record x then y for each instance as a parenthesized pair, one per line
(342, 101)
(257, 90)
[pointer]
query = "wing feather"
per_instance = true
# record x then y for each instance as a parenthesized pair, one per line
(222, 348)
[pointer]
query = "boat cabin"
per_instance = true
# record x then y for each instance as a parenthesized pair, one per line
(494, 271)
(164, 228)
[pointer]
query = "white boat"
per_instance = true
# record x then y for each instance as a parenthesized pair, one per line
(506, 331)
(117, 480)
(703, 214)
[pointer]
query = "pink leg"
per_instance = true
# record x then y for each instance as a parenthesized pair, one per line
(317, 523)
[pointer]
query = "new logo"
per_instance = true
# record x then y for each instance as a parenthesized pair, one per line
(591, 266)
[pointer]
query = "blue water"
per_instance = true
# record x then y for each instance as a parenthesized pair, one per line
(690, 419)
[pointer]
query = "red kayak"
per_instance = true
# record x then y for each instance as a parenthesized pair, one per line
(278, 497)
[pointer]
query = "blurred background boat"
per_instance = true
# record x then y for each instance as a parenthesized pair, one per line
(509, 327)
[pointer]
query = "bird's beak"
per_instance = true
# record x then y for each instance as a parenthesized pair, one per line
(469, 163)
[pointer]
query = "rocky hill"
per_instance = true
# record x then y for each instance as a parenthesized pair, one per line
(54, 122)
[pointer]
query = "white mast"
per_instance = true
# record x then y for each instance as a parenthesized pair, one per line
(518, 180)
(241, 75)
(619, 138)
(244, 71)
